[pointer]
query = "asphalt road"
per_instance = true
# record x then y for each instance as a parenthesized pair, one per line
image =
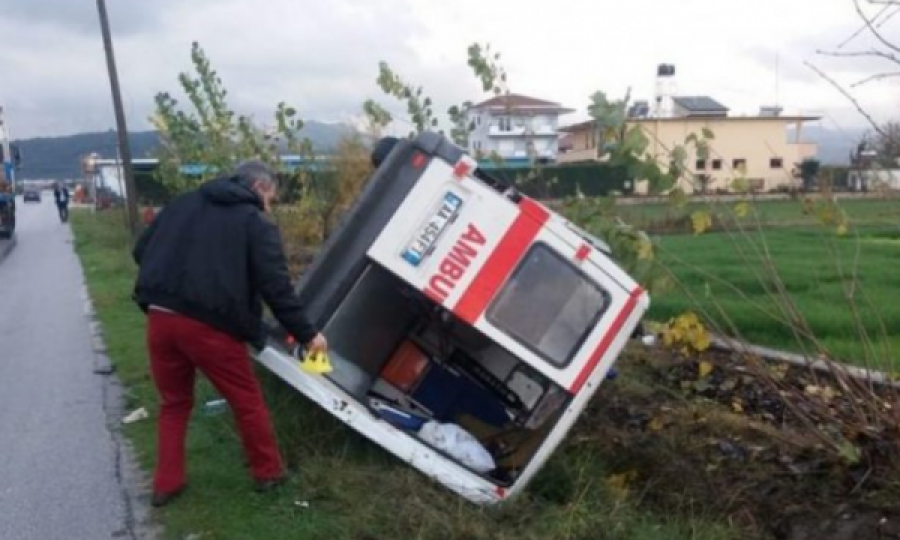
(65, 472)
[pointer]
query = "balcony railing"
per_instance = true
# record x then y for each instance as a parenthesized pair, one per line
(520, 131)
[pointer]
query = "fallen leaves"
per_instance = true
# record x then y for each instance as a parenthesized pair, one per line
(701, 221)
(827, 393)
(730, 431)
(687, 334)
(618, 484)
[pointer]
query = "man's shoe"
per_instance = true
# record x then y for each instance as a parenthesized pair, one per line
(163, 498)
(265, 485)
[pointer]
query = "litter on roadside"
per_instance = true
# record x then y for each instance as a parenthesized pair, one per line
(136, 416)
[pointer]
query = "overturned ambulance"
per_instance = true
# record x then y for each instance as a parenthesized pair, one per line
(468, 325)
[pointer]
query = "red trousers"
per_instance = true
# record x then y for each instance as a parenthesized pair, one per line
(178, 347)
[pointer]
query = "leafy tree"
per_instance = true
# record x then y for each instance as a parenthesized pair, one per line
(809, 171)
(210, 135)
(420, 107)
(609, 121)
(887, 145)
(627, 146)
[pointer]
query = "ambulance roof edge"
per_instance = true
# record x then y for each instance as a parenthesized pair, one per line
(438, 145)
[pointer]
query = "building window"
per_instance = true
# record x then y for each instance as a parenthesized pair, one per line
(701, 164)
(739, 163)
(776, 163)
(717, 164)
(478, 146)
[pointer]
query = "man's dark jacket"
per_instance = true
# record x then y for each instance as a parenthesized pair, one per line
(214, 256)
(61, 196)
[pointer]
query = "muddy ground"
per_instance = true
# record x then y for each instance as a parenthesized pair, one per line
(708, 436)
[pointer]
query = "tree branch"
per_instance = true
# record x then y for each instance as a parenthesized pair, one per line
(874, 30)
(877, 77)
(873, 53)
(862, 28)
(889, 17)
(850, 97)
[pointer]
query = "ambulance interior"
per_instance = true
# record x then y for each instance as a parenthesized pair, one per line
(410, 361)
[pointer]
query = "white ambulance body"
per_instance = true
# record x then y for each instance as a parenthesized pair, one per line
(449, 299)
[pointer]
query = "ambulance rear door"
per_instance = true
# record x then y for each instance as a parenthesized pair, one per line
(506, 270)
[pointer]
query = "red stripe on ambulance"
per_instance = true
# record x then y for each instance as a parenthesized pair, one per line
(502, 260)
(611, 333)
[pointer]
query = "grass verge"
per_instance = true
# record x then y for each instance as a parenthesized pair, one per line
(772, 213)
(818, 280)
(344, 486)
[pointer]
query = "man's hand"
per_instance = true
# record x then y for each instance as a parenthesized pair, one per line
(317, 344)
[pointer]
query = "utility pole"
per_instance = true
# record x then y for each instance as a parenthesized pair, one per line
(121, 128)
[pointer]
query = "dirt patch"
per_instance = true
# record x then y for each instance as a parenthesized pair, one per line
(714, 438)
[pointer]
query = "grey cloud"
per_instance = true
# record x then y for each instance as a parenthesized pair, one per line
(323, 60)
(81, 16)
(321, 57)
(814, 49)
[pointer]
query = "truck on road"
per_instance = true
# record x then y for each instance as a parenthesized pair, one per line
(9, 162)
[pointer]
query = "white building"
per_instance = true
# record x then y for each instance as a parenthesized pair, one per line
(874, 180)
(516, 127)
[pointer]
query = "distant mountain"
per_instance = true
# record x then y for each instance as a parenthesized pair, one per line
(58, 158)
(834, 145)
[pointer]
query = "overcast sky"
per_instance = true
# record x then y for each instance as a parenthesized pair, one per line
(323, 56)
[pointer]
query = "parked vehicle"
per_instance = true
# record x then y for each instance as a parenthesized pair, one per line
(10, 158)
(469, 325)
(32, 195)
(7, 214)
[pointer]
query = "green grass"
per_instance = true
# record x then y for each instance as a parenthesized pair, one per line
(772, 213)
(817, 268)
(345, 487)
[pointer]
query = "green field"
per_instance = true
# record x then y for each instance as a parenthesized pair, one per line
(345, 487)
(777, 213)
(727, 276)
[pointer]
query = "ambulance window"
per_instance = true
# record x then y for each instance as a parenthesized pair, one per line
(549, 305)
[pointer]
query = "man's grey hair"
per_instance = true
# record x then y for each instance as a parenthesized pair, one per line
(254, 170)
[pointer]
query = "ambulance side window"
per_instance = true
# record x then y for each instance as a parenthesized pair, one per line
(549, 305)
